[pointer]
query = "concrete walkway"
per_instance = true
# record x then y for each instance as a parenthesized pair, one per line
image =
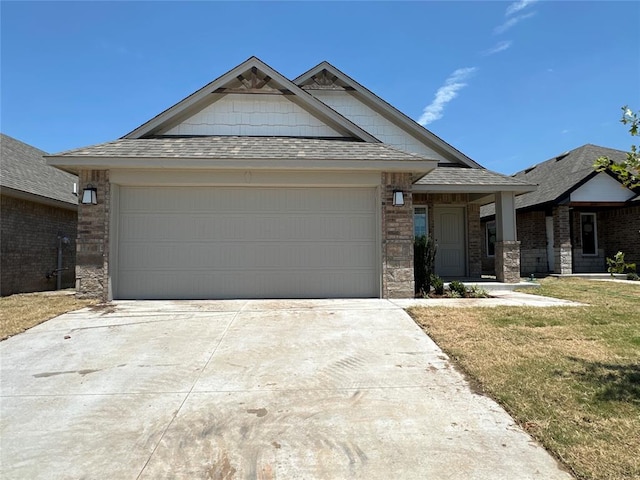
(500, 298)
(334, 389)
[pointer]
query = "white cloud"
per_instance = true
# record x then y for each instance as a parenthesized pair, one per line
(512, 22)
(445, 94)
(515, 7)
(499, 47)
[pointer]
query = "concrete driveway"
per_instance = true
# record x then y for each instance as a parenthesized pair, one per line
(333, 389)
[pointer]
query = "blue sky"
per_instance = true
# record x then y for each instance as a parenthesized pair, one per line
(508, 83)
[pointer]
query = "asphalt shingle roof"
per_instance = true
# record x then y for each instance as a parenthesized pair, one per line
(230, 147)
(24, 169)
(559, 175)
(469, 176)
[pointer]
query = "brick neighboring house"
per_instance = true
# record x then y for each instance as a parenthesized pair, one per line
(38, 210)
(575, 219)
(258, 186)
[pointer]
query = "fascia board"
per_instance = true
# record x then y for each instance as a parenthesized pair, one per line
(314, 105)
(399, 118)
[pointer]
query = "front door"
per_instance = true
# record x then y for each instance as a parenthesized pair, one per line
(449, 235)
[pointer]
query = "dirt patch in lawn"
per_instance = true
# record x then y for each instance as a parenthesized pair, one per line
(23, 311)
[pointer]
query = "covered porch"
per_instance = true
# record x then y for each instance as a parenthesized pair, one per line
(447, 205)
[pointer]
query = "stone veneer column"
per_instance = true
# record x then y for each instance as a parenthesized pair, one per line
(562, 240)
(507, 261)
(507, 258)
(92, 251)
(397, 238)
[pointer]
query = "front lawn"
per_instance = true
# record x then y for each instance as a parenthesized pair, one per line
(23, 311)
(569, 375)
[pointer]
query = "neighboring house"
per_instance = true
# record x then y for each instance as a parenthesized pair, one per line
(38, 218)
(256, 186)
(575, 219)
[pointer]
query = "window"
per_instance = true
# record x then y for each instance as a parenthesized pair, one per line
(420, 224)
(589, 233)
(491, 238)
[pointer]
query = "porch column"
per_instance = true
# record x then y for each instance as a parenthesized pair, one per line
(92, 246)
(507, 247)
(397, 237)
(562, 249)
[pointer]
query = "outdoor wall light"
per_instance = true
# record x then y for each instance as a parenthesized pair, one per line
(90, 195)
(398, 198)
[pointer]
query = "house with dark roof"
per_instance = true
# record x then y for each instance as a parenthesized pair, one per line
(38, 221)
(258, 186)
(574, 220)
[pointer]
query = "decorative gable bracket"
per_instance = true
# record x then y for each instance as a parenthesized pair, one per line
(253, 81)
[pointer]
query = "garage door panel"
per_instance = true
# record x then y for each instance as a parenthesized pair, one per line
(247, 243)
(210, 227)
(245, 256)
(268, 284)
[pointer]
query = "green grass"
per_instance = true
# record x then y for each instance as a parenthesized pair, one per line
(569, 375)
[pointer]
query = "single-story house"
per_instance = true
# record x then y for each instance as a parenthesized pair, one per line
(257, 186)
(38, 221)
(574, 220)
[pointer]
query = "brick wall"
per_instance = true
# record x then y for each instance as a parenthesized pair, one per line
(532, 234)
(588, 263)
(488, 263)
(29, 245)
(92, 254)
(619, 230)
(441, 198)
(397, 238)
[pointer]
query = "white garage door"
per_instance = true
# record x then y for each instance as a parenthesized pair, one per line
(205, 242)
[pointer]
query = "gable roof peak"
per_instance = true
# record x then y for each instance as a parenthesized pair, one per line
(248, 77)
(386, 109)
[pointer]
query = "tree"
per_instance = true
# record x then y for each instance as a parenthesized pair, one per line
(628, 170)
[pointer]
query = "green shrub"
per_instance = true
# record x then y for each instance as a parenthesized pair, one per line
(476, 291)
(458, 287)
(618, 265)
(633, 276)
(438, 284)
(424, 254)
